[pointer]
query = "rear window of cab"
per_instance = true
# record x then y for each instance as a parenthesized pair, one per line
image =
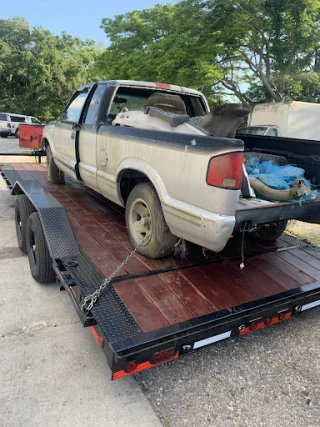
(3, 117)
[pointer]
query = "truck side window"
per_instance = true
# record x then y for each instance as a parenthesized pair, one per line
(94, 104)
(35, 121)
(73, 111)
(272, 132)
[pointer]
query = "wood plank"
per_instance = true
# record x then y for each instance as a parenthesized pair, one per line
(166, 301)
(274, 273)
(144, 312)
(300, 264)
(315, 262)
(216, 286)
(188, 294)
(287, 268)
(254, 281)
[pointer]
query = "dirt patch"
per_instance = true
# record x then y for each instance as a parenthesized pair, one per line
(305, 231)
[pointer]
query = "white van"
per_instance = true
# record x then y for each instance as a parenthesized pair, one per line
(292, 119)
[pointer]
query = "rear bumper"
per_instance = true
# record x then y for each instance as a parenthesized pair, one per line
(259, 211)
(6, 131)
(207, 229)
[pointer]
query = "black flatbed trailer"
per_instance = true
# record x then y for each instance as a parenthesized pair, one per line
(155, 311)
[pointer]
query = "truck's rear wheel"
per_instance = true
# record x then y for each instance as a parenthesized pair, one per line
(55, 175)
(146, 224)
(23, 209)
(271, 231)
(39, 258)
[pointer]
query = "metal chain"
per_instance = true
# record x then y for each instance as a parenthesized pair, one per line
(90, 300)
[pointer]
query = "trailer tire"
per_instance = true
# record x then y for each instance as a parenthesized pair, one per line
(23, 209)
(271, 231)
(145, 220)
(38, 254)
(55, 175)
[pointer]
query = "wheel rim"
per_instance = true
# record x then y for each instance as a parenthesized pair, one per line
(140, 222)
(19, 224)
(33, 248)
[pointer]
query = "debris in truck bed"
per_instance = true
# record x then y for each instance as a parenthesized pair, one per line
(281, 183)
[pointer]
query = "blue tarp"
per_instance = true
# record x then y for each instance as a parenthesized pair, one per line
(277, 177)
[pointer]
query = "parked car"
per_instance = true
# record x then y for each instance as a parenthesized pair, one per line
(5, 125)
(16, 119)
(259, 130)
(9, 123)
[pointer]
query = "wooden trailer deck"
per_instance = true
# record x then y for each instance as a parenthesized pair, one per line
(164, 292)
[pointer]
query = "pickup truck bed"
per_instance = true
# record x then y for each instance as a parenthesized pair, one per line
(158, 309)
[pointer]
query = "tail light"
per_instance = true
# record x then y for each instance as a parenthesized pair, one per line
(225, 171)
(8, 125)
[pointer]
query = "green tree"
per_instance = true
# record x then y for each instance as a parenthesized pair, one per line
(159, 44)
(270, 45)
(38, 70)
(253, 49)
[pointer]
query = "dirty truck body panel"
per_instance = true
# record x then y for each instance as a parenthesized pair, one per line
(87, 147)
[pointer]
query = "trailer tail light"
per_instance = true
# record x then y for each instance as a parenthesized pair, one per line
(131, 367)
(128, 370)
(8, 125)
(162, 356)
(225, 171)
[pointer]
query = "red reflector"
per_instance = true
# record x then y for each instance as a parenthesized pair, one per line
(163, 355)
(163, 85)
(130, 367)
(8, 125)
(225, 171)
(253, 326)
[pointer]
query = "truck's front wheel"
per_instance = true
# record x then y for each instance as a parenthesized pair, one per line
(146, 224)
(54, 173)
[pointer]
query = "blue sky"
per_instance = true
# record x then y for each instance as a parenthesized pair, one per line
(77, 17)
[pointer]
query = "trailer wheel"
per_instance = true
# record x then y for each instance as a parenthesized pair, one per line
(146, 224)
(39, 258)
(271, 231)
(55, 175)
(23, 209)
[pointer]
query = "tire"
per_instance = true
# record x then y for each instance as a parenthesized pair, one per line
(4, 135)
(55, 175)
(23, 209)
(271, 231)
(145, 221)
(38, 254)
(17, 133)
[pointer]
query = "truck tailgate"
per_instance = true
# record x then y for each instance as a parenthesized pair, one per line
(259, 211)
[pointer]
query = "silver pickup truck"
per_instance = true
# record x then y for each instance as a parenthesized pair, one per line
(146, 147)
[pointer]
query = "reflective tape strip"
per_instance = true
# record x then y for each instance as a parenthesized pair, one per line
(211, 340)
(310, 305)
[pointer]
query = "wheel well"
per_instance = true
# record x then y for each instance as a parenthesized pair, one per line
(129, 179)
(45, 143)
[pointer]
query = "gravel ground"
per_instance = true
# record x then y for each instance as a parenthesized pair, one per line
(269, 378)
(11, 145)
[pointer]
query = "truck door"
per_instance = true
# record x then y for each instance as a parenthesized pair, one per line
(88, 138)
(66, 133)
